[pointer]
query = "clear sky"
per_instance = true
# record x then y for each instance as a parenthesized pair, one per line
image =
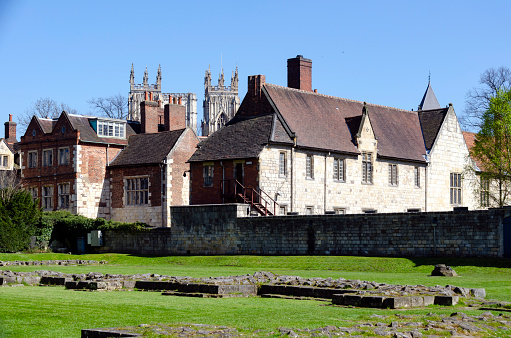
(375, 51)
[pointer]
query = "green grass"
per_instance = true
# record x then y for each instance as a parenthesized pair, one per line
(56, 312)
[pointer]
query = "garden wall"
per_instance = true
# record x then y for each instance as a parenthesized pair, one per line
(225, 229)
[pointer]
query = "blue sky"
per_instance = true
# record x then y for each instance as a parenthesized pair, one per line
(375, 51)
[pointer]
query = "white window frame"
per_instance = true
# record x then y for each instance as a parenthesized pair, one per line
(339, 169)
(64, 195)
(282, 164)
(47, 157)
(64, 159)
(455, 188)
(367, 168)
(111, 129)
(5, 161)
(393, 175)
(32, 159)
(137, 190)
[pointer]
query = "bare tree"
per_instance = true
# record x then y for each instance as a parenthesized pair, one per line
(115, 107)
(9, 184)
(44, 107)
(478, 99)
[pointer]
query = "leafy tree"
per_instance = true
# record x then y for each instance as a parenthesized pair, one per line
(115, 107)
(44, 107)
(478, 99)
(492, 150)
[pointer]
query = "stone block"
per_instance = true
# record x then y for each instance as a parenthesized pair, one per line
(372, 301)
(154, 285)
(428, 300)
(97, 286)
(338, 299)
(478, 293)
(446, 300)
(397, 302)
(47, 280)
(355, 300)
(32, 280)
(325, 293)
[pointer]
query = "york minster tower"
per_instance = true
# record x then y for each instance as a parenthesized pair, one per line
(221, 102)
(138, 94)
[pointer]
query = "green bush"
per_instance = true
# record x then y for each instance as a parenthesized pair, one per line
(19, 215)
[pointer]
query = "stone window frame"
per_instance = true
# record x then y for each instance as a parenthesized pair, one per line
(417, 176)
(455, 188)
(208, 174)
(484, 192)
(309, 210)
(393, 175)
(282, 209)
(64, 159)
(34, 192)
(47, 160)
(64, 195)
(339, 168)
(367, 168)
(136, 190)
(47, 197)
(5, 161)
(339, 211)
(309, 167)
(282, 164)
(32, 159)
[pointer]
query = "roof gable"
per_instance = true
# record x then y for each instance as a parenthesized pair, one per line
(431, 121)
(429, 100)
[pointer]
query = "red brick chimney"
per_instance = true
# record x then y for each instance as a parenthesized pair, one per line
(149, 116)
(10, 131)
(255, 85)
(174, 117)
(299, 73)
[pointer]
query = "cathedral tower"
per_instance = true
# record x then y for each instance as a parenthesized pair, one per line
(220, 102)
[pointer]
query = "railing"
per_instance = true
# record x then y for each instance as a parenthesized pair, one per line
(258, 199)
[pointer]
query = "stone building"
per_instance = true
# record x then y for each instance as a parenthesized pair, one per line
(291, 149)
(9, 158)
(221, 102)
(65, 162)
(139, 92)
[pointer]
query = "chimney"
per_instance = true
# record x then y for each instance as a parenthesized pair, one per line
(150, 96)
(174, 117)
(299, 73)
(149, 117)
(10, 131)
(255, 85)
(146, 96)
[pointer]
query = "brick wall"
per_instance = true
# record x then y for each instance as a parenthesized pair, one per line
(224, 229)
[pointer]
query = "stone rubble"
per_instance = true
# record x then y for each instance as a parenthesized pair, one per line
(52, 262)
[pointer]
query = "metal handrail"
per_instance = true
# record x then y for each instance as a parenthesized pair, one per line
(246, 192)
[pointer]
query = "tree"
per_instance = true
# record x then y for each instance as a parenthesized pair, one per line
(492, 149)
(44, 107)
(478, 99)
(115, 107)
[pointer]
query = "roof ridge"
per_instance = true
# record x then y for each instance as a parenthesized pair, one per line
(341, 98)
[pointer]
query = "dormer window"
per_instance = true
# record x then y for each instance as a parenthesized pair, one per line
(111, 129)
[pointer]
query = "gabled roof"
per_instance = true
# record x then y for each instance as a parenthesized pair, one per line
(431, 121)
(326, 122)
(429, 100)
(242, 137)
(46, 124)
(146, 149)
(470, 140)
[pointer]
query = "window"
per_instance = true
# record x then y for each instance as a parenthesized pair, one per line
(309, 210)
(485, 192)
(393, 174)
(367, 168)
(32, 159)
(5, 161)
(208, 175)
(338, 169)
(282, 164)
(33, 192)
(283, 210)
(339, 211)
(63, 195)
(137, 191)
(63, 156)
(455, 184)
(417, 176)
(111, 129)
(48, 197)
(310, 167)
(47, 158)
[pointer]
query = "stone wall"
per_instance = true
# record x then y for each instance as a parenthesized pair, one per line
(225, 229)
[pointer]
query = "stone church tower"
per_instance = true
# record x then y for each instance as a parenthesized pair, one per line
(137, 95)
(220, 102)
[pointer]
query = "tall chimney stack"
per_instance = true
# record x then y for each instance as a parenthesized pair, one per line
(299, 73)
(10, 131)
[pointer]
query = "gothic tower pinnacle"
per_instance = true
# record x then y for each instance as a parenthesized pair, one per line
(158, 78)
(132, 77)
(146, 77)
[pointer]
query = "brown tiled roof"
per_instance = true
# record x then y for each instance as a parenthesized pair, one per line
(242, 137)
(324, 122)
(88, 134)
(147, 148)
(46, 125)
(431, 121)
(470, 140)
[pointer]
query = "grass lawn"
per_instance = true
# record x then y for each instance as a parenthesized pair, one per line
(56, 312)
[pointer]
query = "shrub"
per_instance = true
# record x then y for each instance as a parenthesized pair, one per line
(19, 214)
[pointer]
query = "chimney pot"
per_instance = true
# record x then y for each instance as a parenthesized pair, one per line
(10, 117)
(179, 101)
(146, 96)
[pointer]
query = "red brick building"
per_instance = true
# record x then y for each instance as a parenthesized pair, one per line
(64, 161)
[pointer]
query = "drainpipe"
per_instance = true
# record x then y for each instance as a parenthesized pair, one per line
(223, 182)
(292, 176)
(162, 191)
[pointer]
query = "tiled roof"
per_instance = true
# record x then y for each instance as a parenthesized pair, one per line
(147, 148)
(429, 100)
(431, 121)
(470, 140)
(88, 134)
(46, 124)
(326, 122)
(242, 137)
